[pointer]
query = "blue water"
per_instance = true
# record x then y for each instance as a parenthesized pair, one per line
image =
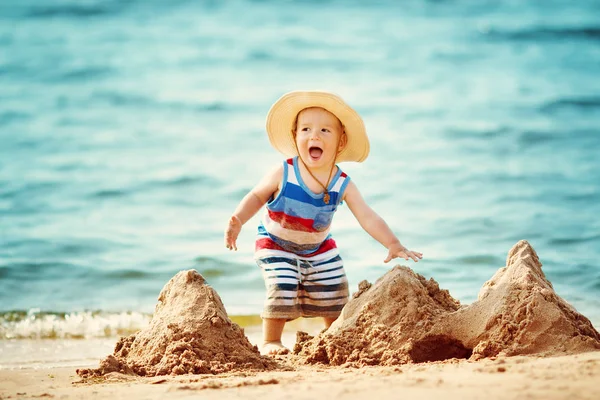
(130, 130)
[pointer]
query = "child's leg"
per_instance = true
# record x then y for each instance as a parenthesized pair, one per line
(328, 321)
(272, 331)
(324, 290)
(281, 275)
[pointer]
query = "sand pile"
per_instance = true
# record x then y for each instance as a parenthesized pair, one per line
(518, 312)
(405, 318)
(378, 325)
(190, 332)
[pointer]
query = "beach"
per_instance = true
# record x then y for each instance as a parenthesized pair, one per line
(563, 377)
(130, 130)
(518, 340)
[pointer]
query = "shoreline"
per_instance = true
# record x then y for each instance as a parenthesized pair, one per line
(48, 354)
(558, 377)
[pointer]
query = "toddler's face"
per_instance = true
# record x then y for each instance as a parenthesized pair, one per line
(319, 137)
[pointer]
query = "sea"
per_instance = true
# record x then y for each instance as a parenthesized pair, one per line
(131, 129)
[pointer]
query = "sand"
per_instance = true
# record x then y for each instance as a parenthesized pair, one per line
(521, 377)
(405, 318)
(402, 335)
(190, 333)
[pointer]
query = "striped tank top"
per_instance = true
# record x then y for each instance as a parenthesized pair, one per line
(298, 220)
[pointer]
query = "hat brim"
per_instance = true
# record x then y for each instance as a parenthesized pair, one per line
(283, 113)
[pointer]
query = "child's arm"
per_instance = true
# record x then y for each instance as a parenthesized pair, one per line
(376, 226)
(250, 205)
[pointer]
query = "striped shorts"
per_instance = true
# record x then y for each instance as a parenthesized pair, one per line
(300, 286)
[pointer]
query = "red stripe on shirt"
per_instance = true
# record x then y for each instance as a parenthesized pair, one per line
(292, 223)
(266, 243)
(327, 245)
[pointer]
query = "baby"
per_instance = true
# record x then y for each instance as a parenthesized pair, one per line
(300, 262)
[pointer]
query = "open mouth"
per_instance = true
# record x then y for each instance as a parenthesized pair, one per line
(315, 152)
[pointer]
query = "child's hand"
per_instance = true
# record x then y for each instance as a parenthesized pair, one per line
(232, 232)
(396, 250)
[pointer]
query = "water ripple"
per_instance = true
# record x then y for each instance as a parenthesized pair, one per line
(590, 103)
(531, 138)
(567, 241)
(83, 74)
(77, 10)
(547, 33)
(130, 99)
(9, 117)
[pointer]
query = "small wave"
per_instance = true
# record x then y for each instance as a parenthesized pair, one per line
(121, 99)
(84, 74)
(108, 193)
(573, 240)
(53, 270)
(579, 103)
(76, 10)
(33, 270)
(465, 133)
(127, 274)
(547, 33)
(36, 324)
(259, 55)
(31, 189)
(216, 106)
(9, 117)
(213, 267)
(531, 138)
(183, 181)
(125, 99)
(585, 198)
(479, 260)
(456, 56)
(80, 246)
(580, 271)
(209, 273)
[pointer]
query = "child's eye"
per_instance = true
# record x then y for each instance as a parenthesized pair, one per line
(305, 129)
(324, 130)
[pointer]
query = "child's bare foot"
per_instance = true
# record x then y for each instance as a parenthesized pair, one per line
(273, 349)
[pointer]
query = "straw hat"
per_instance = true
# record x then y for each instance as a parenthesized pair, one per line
(283, 114)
